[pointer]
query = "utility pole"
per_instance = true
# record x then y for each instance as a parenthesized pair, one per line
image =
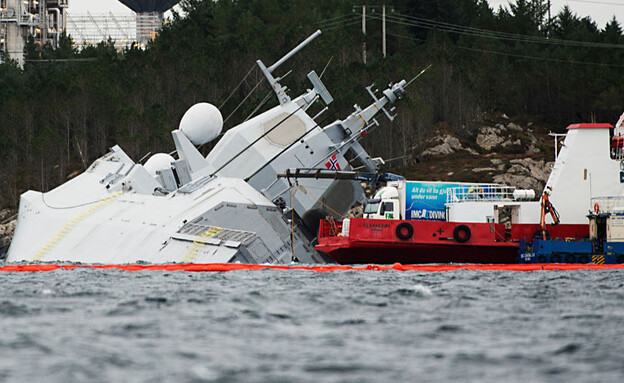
(374, 9)
(549, 19)
(383, 30)
(364, 32)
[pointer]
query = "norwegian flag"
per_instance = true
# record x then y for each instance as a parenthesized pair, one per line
(332, 164)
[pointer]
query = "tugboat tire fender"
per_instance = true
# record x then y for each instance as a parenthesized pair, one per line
(570, 258)
(555, 258)
(400, 231)
(462, 233)
(583, 258)
(541, 258)
(620, 258)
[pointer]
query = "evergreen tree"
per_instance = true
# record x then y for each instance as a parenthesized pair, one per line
(67, 106)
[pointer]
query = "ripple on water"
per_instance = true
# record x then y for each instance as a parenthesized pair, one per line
(340, 368)
(416, 290)
(10, 309)
(449, 328)
(570, 348)
(302, 326)
(346, 322)
(128, 307)
(24, 341)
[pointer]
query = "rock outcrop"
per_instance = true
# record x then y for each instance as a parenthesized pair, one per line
(6, 231)
(444, 146)
(526, 173)
(507, 137)
(489, 138)
(513, 150)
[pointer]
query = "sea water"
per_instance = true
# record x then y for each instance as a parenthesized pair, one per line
(90, 325)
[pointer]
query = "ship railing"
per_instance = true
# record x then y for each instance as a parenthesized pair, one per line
(208, 232)
(480, 192)
(330, 228)
(608, 204)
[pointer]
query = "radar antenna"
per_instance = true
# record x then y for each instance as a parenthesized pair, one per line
(393, 93)
(279, 90)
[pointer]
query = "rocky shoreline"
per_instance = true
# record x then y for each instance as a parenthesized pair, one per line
(8, 219)
(507, 154)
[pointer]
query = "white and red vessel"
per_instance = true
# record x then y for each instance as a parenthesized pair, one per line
(483, 223)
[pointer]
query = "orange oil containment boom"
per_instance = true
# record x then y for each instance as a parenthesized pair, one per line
(222, 267)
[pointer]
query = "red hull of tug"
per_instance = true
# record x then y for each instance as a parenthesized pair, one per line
(378, 241)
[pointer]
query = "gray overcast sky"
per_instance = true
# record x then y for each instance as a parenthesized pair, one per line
(601, 11)
(99, 6)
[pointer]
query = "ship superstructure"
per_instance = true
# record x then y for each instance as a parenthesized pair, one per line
(227, 207)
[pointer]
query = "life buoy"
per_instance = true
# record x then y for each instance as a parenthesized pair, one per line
(555, 258)
(570, 258)
(583, 258)
(404, 231)
(596, 208)
(462, 233)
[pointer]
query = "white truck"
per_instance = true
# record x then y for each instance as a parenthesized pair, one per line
(432, 201)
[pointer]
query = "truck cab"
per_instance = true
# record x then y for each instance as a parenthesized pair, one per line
(386, 204)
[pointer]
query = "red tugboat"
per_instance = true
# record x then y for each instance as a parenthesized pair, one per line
(386, 241)
(481, 223)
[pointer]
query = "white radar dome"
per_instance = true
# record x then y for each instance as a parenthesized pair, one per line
(202, 123)
(158, 161)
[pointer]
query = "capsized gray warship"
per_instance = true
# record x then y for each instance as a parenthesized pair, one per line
(227, 207)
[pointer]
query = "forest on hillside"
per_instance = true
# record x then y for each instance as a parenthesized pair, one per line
(67, 106)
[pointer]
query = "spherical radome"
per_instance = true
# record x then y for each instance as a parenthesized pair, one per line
(202, 123)
(158, 161)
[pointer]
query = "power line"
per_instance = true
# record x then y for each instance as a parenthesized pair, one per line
(326, 24)
(597, 2)
(335, 19)
(454, 28)
(517, 55)
(344, 25)
(463, 30)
